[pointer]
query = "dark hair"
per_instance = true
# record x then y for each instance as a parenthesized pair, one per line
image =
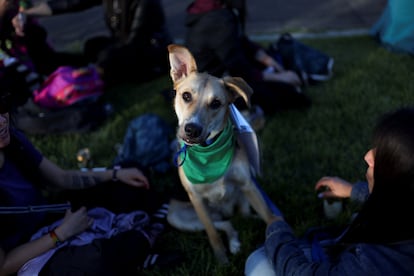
(387, 214)
(14, 90)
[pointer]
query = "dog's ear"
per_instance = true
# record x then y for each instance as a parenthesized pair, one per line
(238, 88)
(181, 61)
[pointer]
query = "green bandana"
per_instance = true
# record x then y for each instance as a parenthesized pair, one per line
(205, 164)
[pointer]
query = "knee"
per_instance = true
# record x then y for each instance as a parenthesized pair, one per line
(257, 264)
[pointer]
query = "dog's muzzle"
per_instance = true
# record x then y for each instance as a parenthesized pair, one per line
(193, 130)
(192, 133)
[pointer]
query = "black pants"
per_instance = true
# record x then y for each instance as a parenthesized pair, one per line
(120, 255)
(276, 96)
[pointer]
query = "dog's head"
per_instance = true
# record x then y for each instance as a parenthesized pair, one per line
(202, 100)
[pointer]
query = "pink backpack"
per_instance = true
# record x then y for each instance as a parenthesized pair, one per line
(69, 85)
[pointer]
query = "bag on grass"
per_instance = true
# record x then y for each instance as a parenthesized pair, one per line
(147, 144)
(69, 85)
(302, 58)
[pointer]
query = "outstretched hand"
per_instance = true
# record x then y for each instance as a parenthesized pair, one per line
(335, 187)
(133, 177)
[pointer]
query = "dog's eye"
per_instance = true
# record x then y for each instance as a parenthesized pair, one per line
(215, 104)
(187, 97)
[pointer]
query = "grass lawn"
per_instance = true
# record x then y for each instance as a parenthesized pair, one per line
(298, 147)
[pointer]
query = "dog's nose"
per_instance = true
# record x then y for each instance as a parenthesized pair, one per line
(193, 130)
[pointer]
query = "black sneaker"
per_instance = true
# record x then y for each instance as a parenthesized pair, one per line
(160, 216)
(162, 260)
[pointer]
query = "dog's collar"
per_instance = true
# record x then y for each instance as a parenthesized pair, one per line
(205, 164)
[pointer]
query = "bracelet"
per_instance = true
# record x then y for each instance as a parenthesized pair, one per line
(55, 238)
(114, 172)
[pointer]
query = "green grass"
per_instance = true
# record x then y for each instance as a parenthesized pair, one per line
(298, 147)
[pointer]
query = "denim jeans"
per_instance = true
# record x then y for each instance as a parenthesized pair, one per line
(257, 264)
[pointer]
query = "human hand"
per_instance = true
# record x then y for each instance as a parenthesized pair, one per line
(73, 223)
(133, 177)
(335, 187)
(18, 22)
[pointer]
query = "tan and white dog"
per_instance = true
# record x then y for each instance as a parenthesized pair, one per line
(214, 168)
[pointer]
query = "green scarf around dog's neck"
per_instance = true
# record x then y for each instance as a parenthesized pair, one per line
(205, 164)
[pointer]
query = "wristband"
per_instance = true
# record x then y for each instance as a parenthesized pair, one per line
(55, 238)
(114, 172)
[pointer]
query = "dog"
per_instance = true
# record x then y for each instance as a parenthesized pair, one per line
(213, 167)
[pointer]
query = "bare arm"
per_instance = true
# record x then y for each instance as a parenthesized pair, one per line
(40, 9)
(72, 224)
(268, 61)
(75, 179)
(47, 8)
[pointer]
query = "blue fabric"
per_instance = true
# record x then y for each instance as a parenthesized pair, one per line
(395, 28)
(359, 192)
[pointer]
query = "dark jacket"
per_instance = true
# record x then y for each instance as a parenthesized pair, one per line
(217, 41)
(287, 253)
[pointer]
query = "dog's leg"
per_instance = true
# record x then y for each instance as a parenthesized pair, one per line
(204, 216)
(232, 235)
(213, 235)
(255, 198)
(182, 216)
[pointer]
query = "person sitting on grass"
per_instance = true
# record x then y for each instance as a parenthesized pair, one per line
(118, 197)
(380, 239)
(227, 50)
(136, 48)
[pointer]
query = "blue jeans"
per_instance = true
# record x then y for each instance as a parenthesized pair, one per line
(257, 264)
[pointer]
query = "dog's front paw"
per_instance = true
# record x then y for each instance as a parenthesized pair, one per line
(234, 245)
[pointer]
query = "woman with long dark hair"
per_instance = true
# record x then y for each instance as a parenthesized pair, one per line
(380, 239)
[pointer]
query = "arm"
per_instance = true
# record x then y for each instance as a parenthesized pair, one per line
(75, 179)
(53, 7)
(48, 8)
(287, 255)
(340, 188)
(72, 224)
(262, 57)
(274, 71)
(41, 9)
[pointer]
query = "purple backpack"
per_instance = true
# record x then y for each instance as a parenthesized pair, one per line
(69, 85)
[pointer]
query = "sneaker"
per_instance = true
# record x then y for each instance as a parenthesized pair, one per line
(165, 260)
(160, 216)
